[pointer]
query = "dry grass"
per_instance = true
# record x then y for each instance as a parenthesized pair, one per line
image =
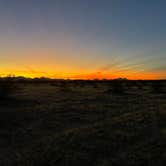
(48, 124)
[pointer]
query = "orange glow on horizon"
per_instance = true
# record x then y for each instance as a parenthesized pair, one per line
(87, 75)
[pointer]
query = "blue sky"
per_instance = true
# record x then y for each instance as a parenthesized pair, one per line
(75, 36)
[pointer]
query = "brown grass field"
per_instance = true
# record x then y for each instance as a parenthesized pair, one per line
(78, 123)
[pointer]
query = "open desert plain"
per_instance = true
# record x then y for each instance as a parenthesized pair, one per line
(83, 123)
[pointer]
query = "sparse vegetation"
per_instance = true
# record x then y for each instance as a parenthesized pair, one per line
(47, 126)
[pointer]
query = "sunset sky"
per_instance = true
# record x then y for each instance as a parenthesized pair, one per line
(84, 39)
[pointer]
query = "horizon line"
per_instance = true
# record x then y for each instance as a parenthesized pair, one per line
(81, 79)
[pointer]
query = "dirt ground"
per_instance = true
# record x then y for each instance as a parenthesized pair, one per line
(83, 124)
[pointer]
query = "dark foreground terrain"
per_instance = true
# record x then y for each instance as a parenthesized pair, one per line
(78, 123)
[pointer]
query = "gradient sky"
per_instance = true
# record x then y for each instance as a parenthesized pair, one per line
(83, 38)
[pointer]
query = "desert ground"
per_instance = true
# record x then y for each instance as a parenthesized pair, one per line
(93, 123)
